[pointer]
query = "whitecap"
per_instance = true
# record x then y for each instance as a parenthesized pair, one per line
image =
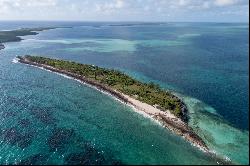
(15, 60)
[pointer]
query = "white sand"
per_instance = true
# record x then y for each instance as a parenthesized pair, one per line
(171, 122)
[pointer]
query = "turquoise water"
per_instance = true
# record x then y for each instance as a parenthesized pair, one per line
(46, 118)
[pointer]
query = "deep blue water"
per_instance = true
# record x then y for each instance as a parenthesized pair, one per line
(205, 63)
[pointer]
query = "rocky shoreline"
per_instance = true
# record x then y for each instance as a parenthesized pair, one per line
(177, 125)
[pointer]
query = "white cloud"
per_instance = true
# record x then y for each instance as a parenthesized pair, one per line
(110, 6)
(183, 2)
(225, 2)
(28, 3)
(40, 3)
(7, 6)
(118, 9)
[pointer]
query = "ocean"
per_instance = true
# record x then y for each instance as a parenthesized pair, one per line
(49, 119)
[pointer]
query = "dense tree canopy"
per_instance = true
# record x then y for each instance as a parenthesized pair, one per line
(149, 93)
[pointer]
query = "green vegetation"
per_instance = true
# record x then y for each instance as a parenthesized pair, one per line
(148, 93)
(11, 36)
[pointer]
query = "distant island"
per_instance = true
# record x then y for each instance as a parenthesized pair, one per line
(14, 35)
(1, 46)
(147, 97)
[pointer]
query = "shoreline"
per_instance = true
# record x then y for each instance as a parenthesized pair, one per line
(163, 118)
(17, 34)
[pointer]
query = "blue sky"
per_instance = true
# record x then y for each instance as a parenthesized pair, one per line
(126, 10)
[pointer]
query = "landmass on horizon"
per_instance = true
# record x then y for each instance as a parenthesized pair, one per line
(15, 35)
(149, 98)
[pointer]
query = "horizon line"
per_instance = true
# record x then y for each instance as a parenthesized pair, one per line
(247, 22)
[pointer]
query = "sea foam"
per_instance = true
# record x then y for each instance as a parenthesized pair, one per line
(15, 60)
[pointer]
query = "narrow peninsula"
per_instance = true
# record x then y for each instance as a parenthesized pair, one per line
(14, 35)
(149, 98)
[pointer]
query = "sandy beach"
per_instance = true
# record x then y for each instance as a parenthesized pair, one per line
(165, 118)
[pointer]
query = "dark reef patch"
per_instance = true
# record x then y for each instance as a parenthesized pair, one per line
(84, 159)
(43, 115)
(8, 114)
(60, 137)
(27, 140)
(34, 160)
(13, 137)
(24, 123)
(90, 156)
(14, 100)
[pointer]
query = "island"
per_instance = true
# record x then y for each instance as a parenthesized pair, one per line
(1, 46)
(14, 35)
(149, 98)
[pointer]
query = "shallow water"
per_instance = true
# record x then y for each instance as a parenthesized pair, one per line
(203, 63)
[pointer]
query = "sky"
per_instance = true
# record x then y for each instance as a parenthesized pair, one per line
(126, 10)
